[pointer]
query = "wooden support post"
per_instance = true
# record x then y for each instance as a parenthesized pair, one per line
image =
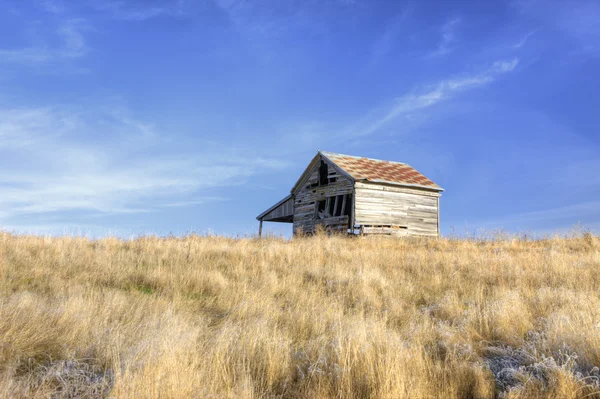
(260, 229)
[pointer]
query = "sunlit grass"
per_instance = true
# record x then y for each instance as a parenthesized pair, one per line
(312, 317)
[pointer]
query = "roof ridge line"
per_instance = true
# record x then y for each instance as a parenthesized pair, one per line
(412, 177)
(357, 157)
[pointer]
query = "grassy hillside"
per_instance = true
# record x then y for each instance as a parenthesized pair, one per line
(312, 317)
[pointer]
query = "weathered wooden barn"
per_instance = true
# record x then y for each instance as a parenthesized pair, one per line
(360, 196)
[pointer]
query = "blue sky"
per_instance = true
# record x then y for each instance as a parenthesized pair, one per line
(170, 116)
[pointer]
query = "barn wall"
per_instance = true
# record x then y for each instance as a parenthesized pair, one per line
(307, 197)
(384, 209)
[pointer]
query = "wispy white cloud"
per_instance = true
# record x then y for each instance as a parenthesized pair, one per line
(71, 32)
(266, 28)
(408, 108)
(73, 45)
(257, 23)
(524, 39)
(128, 10)
(429, 96)
(384, 43)
(14, 122)
(561, 218)
(196, 201)
(448, 39)
(134, 10)
(53, 6)
(59, 229)
(49, 227)
(581, 22)
(54, 169)
(577, 19)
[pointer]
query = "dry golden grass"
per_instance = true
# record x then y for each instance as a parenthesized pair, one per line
(313, 317)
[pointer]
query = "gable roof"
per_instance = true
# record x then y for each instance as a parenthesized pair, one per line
(313, 164)
(379, 171)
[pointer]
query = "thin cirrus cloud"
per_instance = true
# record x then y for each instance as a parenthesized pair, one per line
(141, 10)
(581, 23)
(429, 96)
(130, 10)
(448, 39)
(384, 43)
(72, 45)
(56, 172)
(582, 212)
(576, 19)
(524, 39)
(405, 106)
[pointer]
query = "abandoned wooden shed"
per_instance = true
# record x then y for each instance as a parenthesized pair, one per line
(359, 196)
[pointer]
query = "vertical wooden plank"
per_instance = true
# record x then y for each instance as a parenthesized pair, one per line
(335, 205)
(438, 217)
(352, 211)
(260, 229)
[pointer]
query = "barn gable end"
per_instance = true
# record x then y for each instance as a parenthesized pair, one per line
(322, 196)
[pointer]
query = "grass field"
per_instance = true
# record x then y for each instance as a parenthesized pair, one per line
(313, 317)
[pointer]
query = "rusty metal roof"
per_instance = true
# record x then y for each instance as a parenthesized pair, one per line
(379, 171)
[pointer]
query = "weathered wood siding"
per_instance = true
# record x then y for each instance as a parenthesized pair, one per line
(385, 209)
(306, 198)
(285, 209)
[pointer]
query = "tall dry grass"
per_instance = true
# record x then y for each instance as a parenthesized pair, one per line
(313, 317)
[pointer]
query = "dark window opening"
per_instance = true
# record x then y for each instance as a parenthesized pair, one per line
(321, 206)
(332, 205)
(348, 205)
(336, 206)
(323, 174)
(321, 210)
